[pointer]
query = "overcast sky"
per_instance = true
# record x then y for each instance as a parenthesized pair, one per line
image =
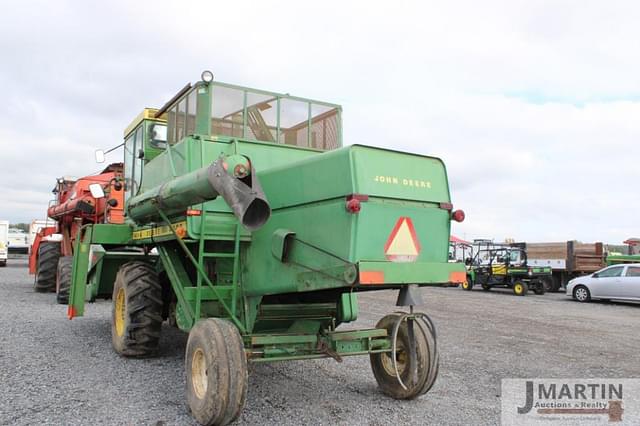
(533, 105)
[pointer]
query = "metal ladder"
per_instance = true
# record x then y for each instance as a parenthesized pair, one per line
(203, 255)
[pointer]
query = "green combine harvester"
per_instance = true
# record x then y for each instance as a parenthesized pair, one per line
(251, 228)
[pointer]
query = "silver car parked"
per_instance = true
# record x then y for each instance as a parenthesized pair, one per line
(620, 282)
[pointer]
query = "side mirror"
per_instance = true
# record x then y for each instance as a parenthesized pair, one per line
(594, 276)
(99, 156)
(96, 190)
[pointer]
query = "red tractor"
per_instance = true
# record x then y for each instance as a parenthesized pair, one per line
(88, 200)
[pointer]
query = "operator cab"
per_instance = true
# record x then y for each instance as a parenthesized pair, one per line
(226, 111)
(144, 139)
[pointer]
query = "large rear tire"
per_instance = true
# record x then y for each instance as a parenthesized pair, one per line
(63, 279)
(137, 310)
(426, 357)
(216, 370)
(47, 266)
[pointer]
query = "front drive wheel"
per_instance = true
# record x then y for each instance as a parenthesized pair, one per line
(581, 294)
(136, 317)
(520, 288)
(216, 370)
(426, 357)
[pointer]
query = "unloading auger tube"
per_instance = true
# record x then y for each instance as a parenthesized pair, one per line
(231, 177)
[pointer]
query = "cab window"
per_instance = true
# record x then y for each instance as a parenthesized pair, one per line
(633, 271)
(132, 164)
(137, 162)
(129, 149)
(616, 271)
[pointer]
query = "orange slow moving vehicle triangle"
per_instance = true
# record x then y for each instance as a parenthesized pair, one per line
(402, 244)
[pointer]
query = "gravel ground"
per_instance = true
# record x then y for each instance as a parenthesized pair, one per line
(56, 371)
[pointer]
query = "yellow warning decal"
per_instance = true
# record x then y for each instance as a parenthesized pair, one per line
(159, 231)
(499, 269)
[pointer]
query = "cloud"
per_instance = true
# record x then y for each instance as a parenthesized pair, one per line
(533, 105)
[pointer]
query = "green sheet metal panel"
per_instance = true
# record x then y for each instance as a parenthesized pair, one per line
(111, 234)
(378, 218)
(323, 224)
(393, 174)
(320, 177)
(357, 169)
(308, 198)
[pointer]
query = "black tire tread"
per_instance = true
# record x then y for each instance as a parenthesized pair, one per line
(426, 349)
(223, 344)
(65, 265)
(237, 362)
(143, 294)
(48, 255)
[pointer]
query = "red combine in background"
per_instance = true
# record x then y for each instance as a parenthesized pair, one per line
(90, 199)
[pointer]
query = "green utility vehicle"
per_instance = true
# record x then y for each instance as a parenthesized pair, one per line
(251, 228)
(495, 265)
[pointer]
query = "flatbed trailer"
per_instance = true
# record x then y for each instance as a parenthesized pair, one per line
(568, 259)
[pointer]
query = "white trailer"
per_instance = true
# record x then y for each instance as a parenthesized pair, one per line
(4, 242)
(36, 225)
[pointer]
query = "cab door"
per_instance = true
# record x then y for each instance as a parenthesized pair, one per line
(133, 162)
(608, 282)
(630, 285)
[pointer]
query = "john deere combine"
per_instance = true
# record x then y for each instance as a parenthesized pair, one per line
(249, 227)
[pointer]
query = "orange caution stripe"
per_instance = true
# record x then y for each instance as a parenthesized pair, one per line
(371, 277)
(457, 277)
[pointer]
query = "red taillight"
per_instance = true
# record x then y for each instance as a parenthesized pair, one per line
(353, 205)
(193, 212)
(457, 215)
(353, 202)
